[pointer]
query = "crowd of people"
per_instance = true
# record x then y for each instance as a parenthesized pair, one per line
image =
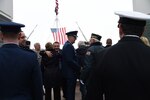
(111, 72)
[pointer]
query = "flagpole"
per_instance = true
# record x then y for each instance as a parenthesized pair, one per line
(81, 32)
(57, 21)
(31, 32)
(56, 12)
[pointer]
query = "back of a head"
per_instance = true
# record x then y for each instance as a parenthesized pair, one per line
(81, 44)
(48, 46)
(109, 41)
(10, 30)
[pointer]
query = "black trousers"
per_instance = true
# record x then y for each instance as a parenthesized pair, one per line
(70, 88)
(56, 91)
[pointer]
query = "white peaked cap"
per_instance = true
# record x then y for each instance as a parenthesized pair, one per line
(133, 15)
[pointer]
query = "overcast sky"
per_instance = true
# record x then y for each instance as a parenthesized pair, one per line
(93, 16)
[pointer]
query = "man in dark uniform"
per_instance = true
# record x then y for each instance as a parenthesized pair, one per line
(122, 71)
(95, 47)
(70, 67)
(20, 74)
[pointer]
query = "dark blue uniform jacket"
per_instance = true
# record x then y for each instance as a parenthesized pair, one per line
(70, 66)
(20, 74)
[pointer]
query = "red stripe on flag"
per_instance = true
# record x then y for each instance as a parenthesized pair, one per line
(59, 35)
(62, 34)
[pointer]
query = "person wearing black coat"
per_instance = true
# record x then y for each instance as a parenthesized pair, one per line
(123, 70)
(52, 73)
(89, 60)
(81, 51)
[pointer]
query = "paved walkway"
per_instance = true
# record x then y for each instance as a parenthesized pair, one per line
(77, 94)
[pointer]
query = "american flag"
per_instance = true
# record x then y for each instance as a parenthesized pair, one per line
(59, 35)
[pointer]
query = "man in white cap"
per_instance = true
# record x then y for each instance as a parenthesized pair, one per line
(122, 71)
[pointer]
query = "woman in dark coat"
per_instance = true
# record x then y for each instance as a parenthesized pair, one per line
(52, 74)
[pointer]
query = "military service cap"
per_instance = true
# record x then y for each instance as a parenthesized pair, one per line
(96, 36)
(133, 18)
(72, 33)
(10, 27)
